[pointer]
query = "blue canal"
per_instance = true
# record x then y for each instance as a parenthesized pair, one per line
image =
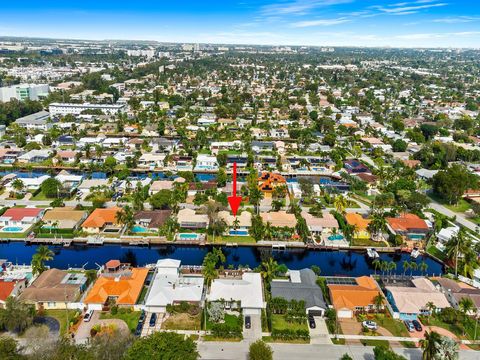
(332, 263)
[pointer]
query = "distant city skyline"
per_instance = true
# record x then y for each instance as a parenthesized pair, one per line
(374, 23)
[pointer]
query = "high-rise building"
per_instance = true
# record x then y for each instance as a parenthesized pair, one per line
(24, 91)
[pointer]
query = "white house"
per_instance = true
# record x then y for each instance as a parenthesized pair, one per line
(170, 287)
(248, 291)
(206, 162)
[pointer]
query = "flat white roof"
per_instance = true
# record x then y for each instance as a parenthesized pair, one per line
(248, 290)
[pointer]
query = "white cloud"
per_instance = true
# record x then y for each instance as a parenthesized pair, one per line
(319, 22)
(407, 8)
(457, 19)
(299, 7)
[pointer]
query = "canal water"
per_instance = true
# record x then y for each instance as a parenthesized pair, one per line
(331, 263)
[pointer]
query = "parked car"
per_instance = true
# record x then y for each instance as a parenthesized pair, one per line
(141, 320)
(311, 322)
(248, 322)
(370, 325)
(153, 320)
(409, 325)
(88, 316)
(138, 330)
(417, 325)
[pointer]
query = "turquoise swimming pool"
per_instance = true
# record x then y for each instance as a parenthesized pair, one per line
(139, 229)
(12, 229)
(336, 237)
(238, 232)
(188, 236)
(416, 236)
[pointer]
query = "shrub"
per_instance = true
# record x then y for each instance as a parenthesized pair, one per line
(289, 334)
(114, 310)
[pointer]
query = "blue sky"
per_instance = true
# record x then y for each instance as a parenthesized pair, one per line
(404, 23)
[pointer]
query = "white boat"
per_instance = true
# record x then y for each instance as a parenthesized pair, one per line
(415, 252)
(372, 253)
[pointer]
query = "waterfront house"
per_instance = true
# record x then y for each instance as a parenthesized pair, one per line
(360, 225)
(206, 162)
(455, 291)
(88, 185)
(247, 291)
(318, 226)
(301, 285)
(102, 220)
(20, 217)
(355, 166)
(353, 295)
(158, 185)
(170, 287)
(409, 225)
(279, 219)
(151, 220)
(10, 287)
(65, 218)
(151, 160)
(268, 181)
(66, 156)
(189, 219)
(29, 183)
(120, 287)
(201, 187)
(408, 300)
(237, 225)
(34, 156)
(55, 289)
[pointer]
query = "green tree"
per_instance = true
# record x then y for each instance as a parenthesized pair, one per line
(51, 188)
(430, 344)
(259, 350)
(163, 346)
(451, 184)
(9, 349)
(16, 315)
(42, 255)
(162, 199)
(109, 164)
(383, 353)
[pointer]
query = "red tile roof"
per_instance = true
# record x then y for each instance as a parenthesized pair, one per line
(6, 288)
(406, 222)
(17, 214)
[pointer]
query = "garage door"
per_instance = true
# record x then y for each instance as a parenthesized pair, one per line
(315, 312)
(344, 314)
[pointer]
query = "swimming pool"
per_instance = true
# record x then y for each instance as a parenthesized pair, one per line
(188, 236)
(416, 236)
(238, 232)
(139, 229)
(12, 229)
(335, 237)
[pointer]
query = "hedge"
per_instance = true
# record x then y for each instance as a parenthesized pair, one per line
(288, 334)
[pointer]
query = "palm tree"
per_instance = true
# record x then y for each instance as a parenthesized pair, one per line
(269, 268)
(377, 225)
(378, 301)
(236, 223)
(423, 267)
(459, 244)
(376, 264)
(465, 305)
(42, 255)
(430, 306)
(413, 267)
(340, 204)
(406, 266)
(430, 345)
(392, 266)
(17, 185)
(16, 315)
(125, 217)
(469, 263)
(268, 231)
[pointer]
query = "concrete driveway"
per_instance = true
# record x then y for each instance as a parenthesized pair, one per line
(82, 335)
(255, 331)
(319, 335)
(147, 329)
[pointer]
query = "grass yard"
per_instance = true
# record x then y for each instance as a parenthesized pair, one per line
(269, 339)
(396, 327)
(229, 319)
(232, 239)
(367, 243)
(61, 316)
(182, 321)
(371, 342)
(279, 323)
(432, 250)
(460, 207)
(130, 318)
(11, 235)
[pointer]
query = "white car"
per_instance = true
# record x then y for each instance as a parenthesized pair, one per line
(88, 316)
(370, 325)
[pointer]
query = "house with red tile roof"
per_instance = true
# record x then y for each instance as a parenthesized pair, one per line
(10, 288)
(268, 181)
(21, 216)
(409, 225)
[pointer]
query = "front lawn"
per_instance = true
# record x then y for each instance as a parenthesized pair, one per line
(182, 321)
(130, 317)
(279, 323)
(396, 327)
(63, 317)
(432, 250)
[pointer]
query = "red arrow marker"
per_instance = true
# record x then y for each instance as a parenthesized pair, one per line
(234, 200)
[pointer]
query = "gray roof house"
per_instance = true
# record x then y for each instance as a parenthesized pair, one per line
(302, 285)
(37, 121)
